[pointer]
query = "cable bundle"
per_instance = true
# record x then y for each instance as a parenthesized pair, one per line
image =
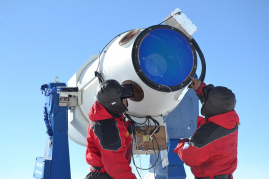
(150, 130)
(136, 126)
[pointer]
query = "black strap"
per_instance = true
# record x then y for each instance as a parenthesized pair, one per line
(99, 76)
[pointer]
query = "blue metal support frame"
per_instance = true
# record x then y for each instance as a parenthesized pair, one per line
(55, 164)
(181, 123)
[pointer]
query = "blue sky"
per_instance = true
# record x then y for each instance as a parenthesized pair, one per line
(40, 40)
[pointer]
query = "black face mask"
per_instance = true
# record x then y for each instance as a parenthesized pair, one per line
(110, 95)
(127, 91)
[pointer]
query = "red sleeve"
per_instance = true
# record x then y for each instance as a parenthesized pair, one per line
(93, 156)
(199, 90)
(116, 164)
(192, 156)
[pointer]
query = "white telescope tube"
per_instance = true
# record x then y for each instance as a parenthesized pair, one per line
(158, 60)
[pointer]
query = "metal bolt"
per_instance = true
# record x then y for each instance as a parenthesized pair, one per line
(57, 79)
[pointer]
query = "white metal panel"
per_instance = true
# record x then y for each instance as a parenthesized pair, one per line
(180, 21)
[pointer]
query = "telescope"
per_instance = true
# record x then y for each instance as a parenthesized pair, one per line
(158, 62)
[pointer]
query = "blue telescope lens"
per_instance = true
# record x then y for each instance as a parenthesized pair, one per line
(166, 57)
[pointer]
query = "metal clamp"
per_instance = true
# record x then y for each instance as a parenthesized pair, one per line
(69, 96)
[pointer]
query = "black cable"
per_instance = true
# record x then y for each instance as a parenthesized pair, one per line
(154, 170)
(156, 161)
(138, 172)
(135, 127)
(99, 60)
(153, 129)
(149, 167)
(133, 132)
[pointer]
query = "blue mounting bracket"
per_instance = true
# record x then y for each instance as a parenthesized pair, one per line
(55, 164)
(180, 123)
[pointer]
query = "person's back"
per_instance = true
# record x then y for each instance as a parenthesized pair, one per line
(212, 150)
(109, 143)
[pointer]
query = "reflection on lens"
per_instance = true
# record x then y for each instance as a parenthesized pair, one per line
(165, 57)
(155, 64)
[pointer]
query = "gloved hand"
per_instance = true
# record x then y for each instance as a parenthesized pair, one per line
(195, 84)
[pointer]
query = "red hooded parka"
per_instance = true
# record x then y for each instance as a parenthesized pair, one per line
(212, 150)
(109, 144)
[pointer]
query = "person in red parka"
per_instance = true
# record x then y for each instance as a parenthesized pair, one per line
(109, 143)
(212, 151)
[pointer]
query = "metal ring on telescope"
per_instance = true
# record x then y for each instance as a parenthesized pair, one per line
(169, 58)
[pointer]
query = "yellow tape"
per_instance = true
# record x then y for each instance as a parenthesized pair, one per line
(146, 138)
